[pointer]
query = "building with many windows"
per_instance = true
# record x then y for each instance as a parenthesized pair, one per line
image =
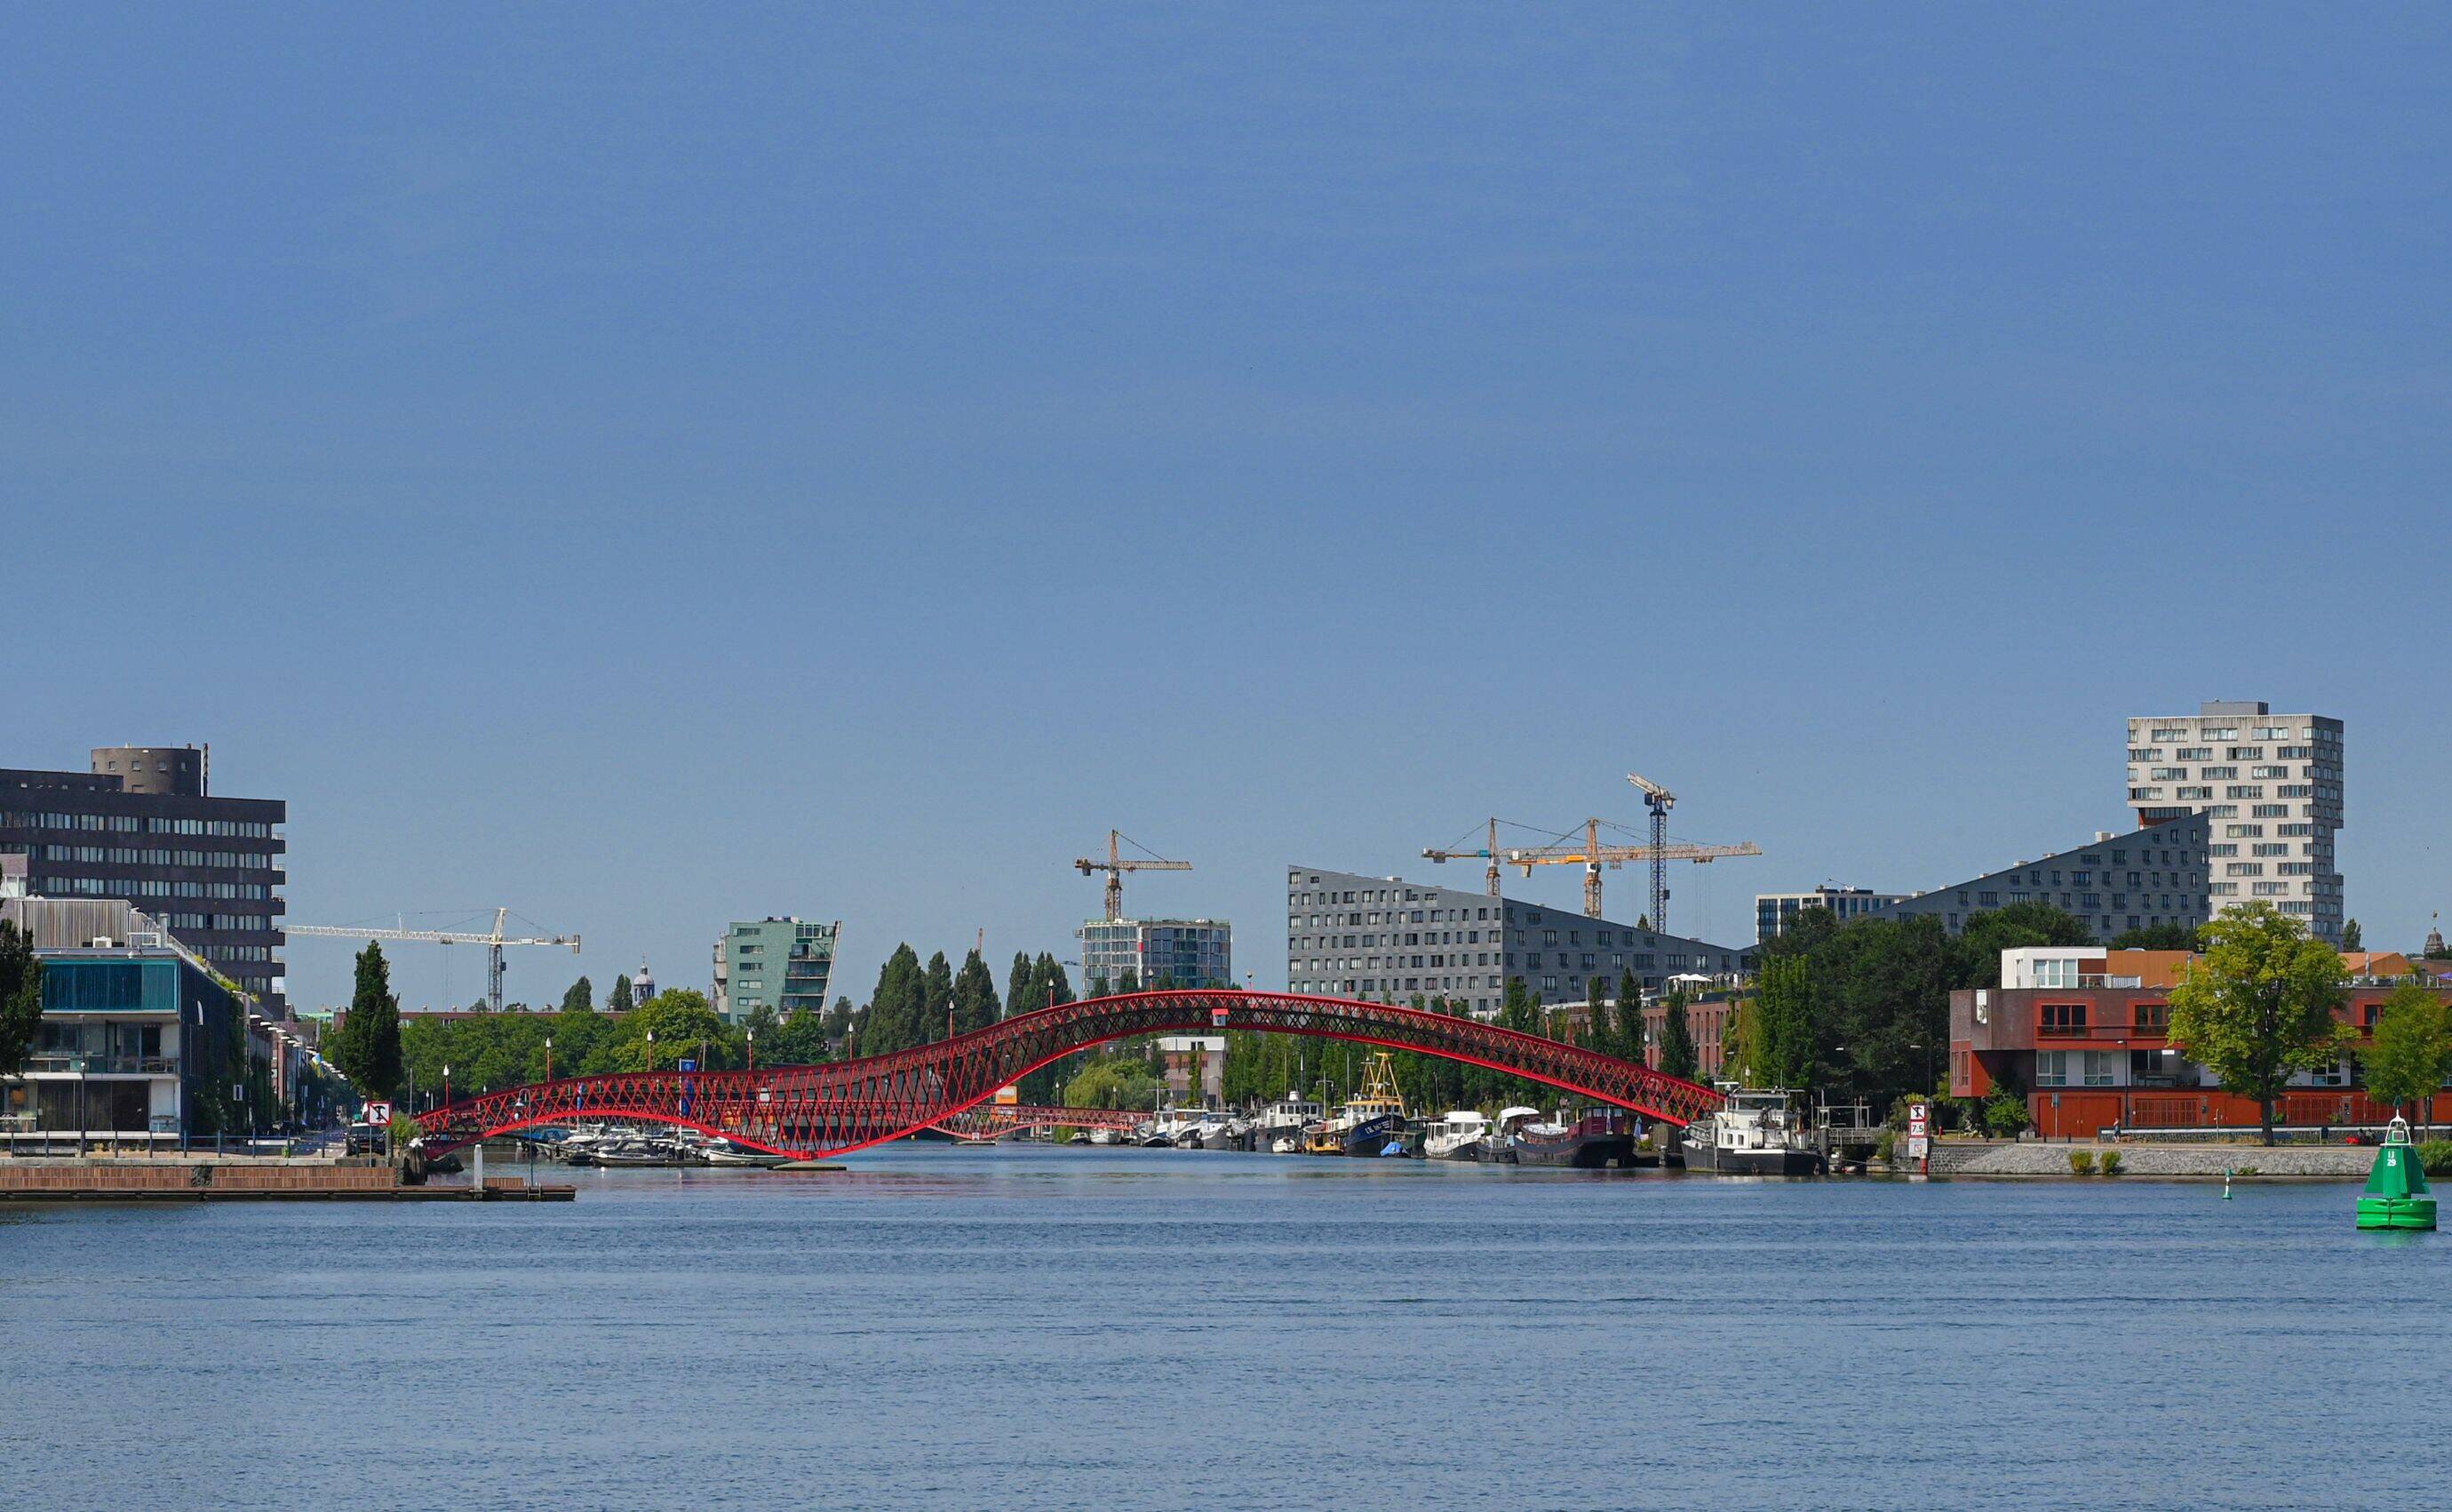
(2165, 873)
(142, 826)
(1150, 953)
(1775, 912)
(2271, 784)
(1353, 935)
(782, 964)
(2084, 1032)
(137, 1038)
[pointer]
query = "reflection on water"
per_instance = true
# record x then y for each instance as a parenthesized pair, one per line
(1124, 1328)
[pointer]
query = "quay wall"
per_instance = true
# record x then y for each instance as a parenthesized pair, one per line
(189, 1176)
(2335, 1162)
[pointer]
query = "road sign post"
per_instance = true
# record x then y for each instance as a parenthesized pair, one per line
(1920, 1136)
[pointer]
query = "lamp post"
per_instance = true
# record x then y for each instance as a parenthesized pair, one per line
(750, 1036)
(447, 1084)
(548, 1057)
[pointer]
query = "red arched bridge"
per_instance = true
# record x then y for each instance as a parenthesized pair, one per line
(813, 1111)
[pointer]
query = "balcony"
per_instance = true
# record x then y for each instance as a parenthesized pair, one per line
(102, 1065)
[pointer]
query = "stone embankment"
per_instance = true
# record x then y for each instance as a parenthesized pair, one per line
(267, 1179)
(2202, 1162)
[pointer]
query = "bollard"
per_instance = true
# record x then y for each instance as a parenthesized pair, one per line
(481, 1170)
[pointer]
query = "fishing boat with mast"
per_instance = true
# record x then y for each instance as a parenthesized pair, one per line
(1373, 1120)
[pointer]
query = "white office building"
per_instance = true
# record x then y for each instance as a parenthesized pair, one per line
(2271, 784)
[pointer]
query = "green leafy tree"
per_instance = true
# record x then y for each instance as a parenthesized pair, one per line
(2259, 1007)
(937, 999)
(21, 997)
(1019, 998)
(1678, 1054)
(2156, 938)
(800, 1040)
(620, 1000)
(2412, 1053)
(762, 1021)
(1986, 934)
(368, 1051)
(898, 1006)
(1786, 1043)
(1600, 1025)
(581, 999)
(1113, 1083)
(2353, 938)
(974, 996)
(683, 1028)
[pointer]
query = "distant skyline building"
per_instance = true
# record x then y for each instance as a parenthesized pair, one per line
(1187, 953)
(1774, 911)
(142, 826)
(780, 963)
(2160, 874)
(2272, 786)
(1353, 935)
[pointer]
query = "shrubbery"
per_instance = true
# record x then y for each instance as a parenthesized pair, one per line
(2111, 1162)
(2435, 1157)
(2080, 1162)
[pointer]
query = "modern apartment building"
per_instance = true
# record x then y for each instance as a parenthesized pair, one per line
(1775, 912)
(2161, 874)
(1381, 937)
(136, 1035)
(1182, 952)
(2271, 783)
(782, 964)
(143, 826)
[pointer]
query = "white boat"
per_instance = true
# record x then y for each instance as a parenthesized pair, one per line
(1285, 1144)
(1755, 1134)
(1284, 1120)
(1464, 1135)
(1218, 1131)
(1107, 1136)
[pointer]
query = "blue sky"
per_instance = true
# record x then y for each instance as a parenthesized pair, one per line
(655, 465)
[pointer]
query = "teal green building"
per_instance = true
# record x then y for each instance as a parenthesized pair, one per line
(782, 964)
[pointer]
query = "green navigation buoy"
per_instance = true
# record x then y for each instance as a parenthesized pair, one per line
(2397, 1195)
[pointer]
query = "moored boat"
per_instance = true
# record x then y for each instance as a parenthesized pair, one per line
(1594, 1142)
(1755, 1132)
(1464, 1135)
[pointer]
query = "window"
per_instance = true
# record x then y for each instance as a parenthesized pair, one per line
(2051, 1068)
(2099, 1067)
(2153, 1018)
(2062, 1020)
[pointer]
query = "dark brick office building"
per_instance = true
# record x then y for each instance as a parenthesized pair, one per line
(143, 826)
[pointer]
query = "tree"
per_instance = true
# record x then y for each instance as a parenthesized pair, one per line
(1785, 1042)
(21, 997)
(674, 1025)
(800, 1040)
(2412, 1053)
(2353, 938)
(2259, 1007)
(1019, 998)
(2156, 938)
(937, 1002)
(619, 1001)
(974, 996)
(762, 1021)
(1678, 1055)
(581, 999)
(1111, 1083)
(368, 1051)
(893, 1019)
(1989, 933)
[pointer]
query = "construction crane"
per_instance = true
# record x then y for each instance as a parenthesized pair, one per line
(1116, 866)
(1489, 852)
(1591, 856)
(1658, 801)
(494, 944)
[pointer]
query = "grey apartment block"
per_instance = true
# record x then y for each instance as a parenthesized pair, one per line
(143, 826)
(2271, 785)
(1177, 952)
(1775, 912)
(2158, 874)
(1352, 936)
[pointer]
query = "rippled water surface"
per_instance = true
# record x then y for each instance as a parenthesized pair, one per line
(1131, 1328)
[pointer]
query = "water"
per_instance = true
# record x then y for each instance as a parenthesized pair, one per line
(1126, 1329)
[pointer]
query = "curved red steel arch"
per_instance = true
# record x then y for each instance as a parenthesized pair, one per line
(843, 1106)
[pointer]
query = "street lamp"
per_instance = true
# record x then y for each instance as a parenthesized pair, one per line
(447, 1084)
(751, 1035)
(548, 1057)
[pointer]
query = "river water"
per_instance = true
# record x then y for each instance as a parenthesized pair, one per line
(1124, 1328)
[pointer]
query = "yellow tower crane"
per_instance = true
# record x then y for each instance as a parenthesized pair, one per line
(1116, 865)
(1591, 856)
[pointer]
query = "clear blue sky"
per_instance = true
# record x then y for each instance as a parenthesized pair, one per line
(650, 466)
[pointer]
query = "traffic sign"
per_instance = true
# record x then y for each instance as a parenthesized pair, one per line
(378, 1113)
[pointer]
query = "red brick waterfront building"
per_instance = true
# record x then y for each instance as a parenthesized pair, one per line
(2086, 1030)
